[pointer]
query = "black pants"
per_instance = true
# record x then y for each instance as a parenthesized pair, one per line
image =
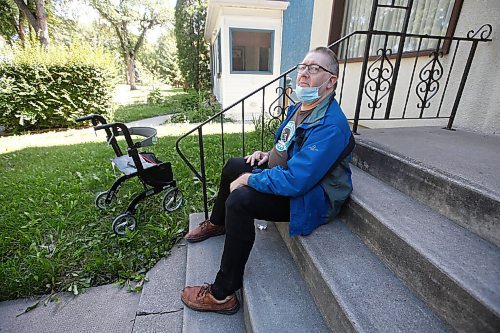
(237, 210)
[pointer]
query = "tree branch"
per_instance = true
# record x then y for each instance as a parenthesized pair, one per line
(142, 35)
(28, 14)
(13, 21)
(120, 38)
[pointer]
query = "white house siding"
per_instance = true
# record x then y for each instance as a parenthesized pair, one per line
(251, 15)
(479, 108)
(217, 82)
(321, 23)
(236, 86)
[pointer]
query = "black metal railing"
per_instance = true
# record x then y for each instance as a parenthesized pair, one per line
(269, 120)
(378, 81)
(379, 77)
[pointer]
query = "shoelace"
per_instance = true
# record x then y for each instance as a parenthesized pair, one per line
(204, 224)
(204, 290)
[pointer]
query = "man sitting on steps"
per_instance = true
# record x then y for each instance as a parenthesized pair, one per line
(305, 179)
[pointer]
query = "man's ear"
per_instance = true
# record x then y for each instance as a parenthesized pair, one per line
(332, 82)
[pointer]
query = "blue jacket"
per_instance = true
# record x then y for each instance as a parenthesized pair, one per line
(316, 192)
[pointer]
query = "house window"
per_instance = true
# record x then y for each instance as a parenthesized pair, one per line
(219, 56)
(251, 51)
(215, 57)
(432, 17)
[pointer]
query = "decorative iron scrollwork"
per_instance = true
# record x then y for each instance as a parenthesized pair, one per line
(277, 111)
(379, 81)
(429, 81)
(484, 32)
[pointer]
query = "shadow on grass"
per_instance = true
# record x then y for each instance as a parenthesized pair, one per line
(54, 238)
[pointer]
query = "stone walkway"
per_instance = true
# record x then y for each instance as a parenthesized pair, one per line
(107, 308)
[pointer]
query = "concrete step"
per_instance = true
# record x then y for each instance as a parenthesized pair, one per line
(160, 307)
(355, 291)
(276, 296)
(454, 172)
(454, 270)
(203, 260)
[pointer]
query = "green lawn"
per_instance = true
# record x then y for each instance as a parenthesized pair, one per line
(54, 238)
(133, 112)
(172, 103)
(123, 95)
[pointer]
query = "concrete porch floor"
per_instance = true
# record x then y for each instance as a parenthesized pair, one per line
(472, 158)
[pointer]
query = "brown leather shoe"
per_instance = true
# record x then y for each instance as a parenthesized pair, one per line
(200, 298)
(204, 230)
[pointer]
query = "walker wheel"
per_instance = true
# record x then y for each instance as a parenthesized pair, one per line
(123, 222)
(172, 199)
(100, 200)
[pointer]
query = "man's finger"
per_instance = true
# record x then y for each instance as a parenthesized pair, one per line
(234, 185)
(263, 159)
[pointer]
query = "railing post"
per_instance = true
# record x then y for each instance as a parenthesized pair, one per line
(402, 39)
(262, 119)
(203, 173)
(462, 85)
(222, 138)
(343, 71)
(287, 83)
(243, 128)
(365, 64)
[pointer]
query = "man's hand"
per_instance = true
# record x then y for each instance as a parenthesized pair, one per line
(239, 182)
(259, 156)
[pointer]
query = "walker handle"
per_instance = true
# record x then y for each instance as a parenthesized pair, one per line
(96, 119)
(89, 117)
(104, 126)
(117, 129)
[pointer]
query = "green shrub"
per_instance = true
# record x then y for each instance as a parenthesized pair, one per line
(49, 89)
(155, 97)
(196, 107)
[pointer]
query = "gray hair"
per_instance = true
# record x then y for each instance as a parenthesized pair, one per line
(333, 62)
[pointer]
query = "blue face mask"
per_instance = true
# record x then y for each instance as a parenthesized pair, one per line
(308, 95)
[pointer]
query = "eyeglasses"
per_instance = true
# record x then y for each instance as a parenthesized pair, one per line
(312, 69)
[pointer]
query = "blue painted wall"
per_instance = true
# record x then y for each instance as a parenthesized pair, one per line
(297, 24)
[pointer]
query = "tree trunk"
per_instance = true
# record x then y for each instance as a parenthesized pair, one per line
(130, 60)
(43, 30)
(16, 26)
(20, 29)
(37, 21)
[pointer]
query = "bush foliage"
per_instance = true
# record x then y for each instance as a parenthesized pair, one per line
(155, 96)
(42, 89)
(196, 107)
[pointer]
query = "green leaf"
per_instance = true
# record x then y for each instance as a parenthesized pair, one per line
(29, 308)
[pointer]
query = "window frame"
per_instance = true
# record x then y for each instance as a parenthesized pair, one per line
(271, 56)
(218, 61)
(337, 23)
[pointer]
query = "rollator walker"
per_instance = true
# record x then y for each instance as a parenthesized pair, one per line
(155, 176)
